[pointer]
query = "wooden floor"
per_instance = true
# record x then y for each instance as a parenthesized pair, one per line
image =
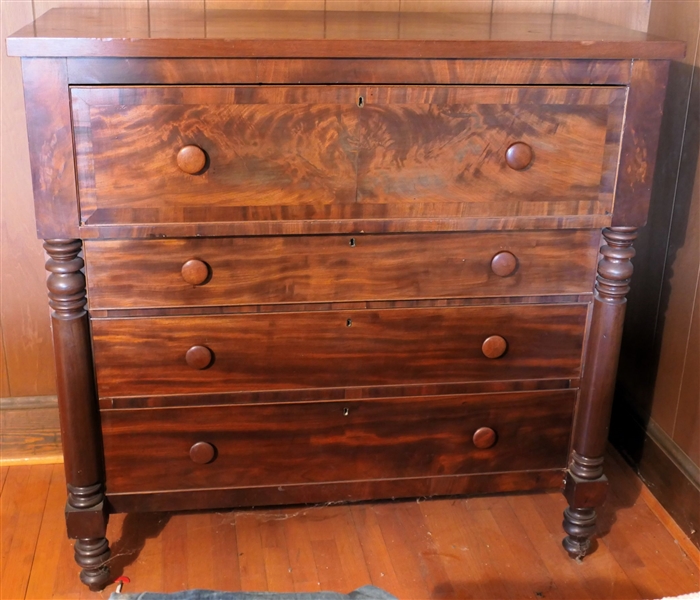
(492, 547)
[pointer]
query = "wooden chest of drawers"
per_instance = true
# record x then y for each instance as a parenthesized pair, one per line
(292, 268)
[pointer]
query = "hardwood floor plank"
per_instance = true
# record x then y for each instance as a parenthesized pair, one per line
(301, 557)
(199, 545)
(323, 529)
(327, 559)
(275, 553)
(499, 550)
(21, 511)
(525, 556)
(379, 565)
(250, 556)
(490, 579)
(453, 546)
(569, 582)
(404, 556)
(52, 536)
(417, 534)
(354, 565)
(339, 521)
(227, 575)
(174, 554)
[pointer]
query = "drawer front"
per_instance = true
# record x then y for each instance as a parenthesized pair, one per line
(268, 270)
(231, 154)
(319, 349)
(258, 445)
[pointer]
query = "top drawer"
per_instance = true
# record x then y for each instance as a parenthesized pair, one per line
(232, 154)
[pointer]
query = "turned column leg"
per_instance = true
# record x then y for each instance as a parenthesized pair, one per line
(586, 486)
(86, 517)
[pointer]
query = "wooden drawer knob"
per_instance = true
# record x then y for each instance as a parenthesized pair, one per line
(519, 156)
(191, 159)
(202, 453)
(199, 357)
(195, 272)
(484, 437)
(504, 264)
(494, 346)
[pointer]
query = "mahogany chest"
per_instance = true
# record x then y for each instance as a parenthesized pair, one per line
(320, 257)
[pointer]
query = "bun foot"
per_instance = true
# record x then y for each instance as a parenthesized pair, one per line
(579, 524)
(92, 555)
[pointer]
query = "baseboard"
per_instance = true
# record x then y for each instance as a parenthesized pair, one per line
(670, 475)
(29, 431)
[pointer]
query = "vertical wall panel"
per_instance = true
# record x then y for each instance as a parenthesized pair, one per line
(382, 5)
(688, 415)
(266, 4)
(475, 6)
(633, 14)
(518, 6)
(4, 381)
(163, 18)
(23, 304)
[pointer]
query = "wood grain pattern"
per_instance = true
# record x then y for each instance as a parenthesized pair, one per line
(329, 441)
(295, 153)
(640, 142)
(285, 396)
(29, 430)
(51, 148)
(384, 224)
(21, 510)
(306, 34)
(336, 348)
(133, 274)
(90, 71)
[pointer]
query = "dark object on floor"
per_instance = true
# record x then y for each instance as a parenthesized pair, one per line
(367, 592)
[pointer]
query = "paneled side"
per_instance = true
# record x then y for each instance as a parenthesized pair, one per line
(687, 422)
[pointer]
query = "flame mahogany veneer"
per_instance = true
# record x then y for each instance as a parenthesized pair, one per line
(289, 265)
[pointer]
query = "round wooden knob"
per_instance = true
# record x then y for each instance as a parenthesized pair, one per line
(202, 453)
(484, 437)
(195, 272)
(519, 156)
(504, 264)
(494, 346)
(199, 357)
(191, 159)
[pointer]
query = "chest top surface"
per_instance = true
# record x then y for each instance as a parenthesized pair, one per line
(245, 33)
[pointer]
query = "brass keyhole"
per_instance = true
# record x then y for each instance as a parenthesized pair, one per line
(360, 102)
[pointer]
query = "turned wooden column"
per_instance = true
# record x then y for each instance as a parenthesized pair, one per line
(586, 486)
(86, 517)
